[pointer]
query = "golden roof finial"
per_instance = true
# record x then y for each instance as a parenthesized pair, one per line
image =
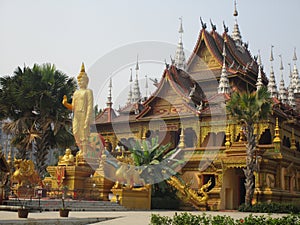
(181, 140)
(235, 12)
(277, 136)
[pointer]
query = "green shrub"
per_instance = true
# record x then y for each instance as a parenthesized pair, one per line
(273, 207)
(189, 219)
(160, 220)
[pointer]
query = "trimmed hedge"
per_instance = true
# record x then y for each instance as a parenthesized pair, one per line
(189, 219)
(273, 207)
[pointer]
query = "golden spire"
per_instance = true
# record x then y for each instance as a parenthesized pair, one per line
(293, 141)
(277, 136)
(9, 161)
(181, 142)
(228, 135)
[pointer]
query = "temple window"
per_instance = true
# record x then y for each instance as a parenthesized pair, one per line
(286, 142)
(190, 137)
(213, 139)
(209, 140)
(298, 145)
(220, 139)
(265, 138)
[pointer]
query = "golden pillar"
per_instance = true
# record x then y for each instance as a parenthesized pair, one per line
(293, 141)
(228, 136)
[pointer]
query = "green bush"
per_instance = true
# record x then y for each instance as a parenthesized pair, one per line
(189, 219)
(272, 207)
(160, 220)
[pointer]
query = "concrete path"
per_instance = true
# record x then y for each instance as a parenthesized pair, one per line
(127, 217)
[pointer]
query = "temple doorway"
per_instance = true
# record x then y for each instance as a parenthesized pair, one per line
(172, 137)
(233, 189)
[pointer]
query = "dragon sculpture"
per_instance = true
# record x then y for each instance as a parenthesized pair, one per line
(198, 198)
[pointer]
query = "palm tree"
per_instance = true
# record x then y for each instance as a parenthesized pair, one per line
(250, 108)
(31, 100)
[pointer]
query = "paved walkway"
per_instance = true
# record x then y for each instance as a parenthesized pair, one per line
(120, 218)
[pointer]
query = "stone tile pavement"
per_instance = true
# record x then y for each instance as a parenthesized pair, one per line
(101, 218)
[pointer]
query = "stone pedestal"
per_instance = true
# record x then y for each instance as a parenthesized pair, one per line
(133, 198)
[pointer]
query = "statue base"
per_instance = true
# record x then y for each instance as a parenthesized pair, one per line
(133, 198)
(71, 178)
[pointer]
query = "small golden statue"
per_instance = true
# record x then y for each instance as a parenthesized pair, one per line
(79, 158)
(67, 159)
(25, 173)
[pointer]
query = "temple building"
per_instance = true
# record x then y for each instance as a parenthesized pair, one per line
(188, 110)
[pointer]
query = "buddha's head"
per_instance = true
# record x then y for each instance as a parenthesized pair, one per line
(82, 78)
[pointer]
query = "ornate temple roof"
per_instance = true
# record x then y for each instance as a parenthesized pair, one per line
(239, 61)
(174, 82)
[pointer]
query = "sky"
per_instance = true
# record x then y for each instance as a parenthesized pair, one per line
(69, 32)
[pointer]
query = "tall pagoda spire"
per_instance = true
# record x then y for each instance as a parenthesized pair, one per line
(282, 89)
(109, 101)
(272, 87)
(295, 75)
(259, 82)
(236, 34)
(224, 86)
(136, 95)
(109, 98)
(179, 54)
(146, 86)
(291, 96)
(129, 99)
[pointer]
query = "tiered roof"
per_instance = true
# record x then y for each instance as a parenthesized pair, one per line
(239, 61)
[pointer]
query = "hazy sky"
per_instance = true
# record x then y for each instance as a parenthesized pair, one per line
(68, 32)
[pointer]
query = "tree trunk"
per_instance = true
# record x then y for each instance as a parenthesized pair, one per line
(250, 164)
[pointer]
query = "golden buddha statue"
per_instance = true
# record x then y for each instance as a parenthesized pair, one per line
(67, 159)
(79, 158)
(82, 106)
